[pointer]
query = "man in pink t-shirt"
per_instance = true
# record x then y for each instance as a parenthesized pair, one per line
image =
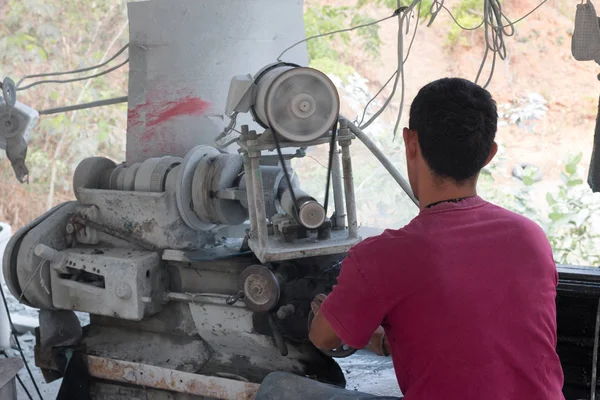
(464, 295)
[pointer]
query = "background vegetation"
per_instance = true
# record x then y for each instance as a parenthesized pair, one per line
(52, 35)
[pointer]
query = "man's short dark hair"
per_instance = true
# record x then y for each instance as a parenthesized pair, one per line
(456, 122)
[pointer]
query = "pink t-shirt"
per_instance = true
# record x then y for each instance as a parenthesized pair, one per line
(466, 295)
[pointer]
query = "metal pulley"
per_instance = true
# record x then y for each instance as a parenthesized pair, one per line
(307, 211)
(300, 104)
(341, 352)
(260, 287)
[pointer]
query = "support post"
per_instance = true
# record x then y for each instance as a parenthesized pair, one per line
(338, 193)
(258, 192)
(349, 189)
(249, 186)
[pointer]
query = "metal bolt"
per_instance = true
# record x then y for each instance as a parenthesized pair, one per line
(231, 300)
(70, 228)
(123, 291)
(129, 375)
(286, 310)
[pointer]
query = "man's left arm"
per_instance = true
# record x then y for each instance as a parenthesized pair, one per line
(351, 313)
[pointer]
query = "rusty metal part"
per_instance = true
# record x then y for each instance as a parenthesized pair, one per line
(231, 300)
(112, 232)
(341, 352)
(204, 298)
(260, 287)
(169, 379)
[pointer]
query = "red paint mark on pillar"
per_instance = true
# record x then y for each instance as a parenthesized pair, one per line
(146, 122)
(172, 109)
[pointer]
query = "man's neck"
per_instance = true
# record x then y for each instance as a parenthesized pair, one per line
(446, 191)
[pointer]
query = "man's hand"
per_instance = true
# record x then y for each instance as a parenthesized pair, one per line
(321, 334)
(315, 305)
(378, 343)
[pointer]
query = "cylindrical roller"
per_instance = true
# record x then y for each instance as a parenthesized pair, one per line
(129, 177)
(310, 213)
(91, 174)
(158, 180)
(184, 193)
(152, 175)
(144, 175)
(212, 175)
(263, 80)
(115, 175)
(273, 185)
(171, 180)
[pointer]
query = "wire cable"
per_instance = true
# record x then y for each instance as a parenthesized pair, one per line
(118, 53)
(14, 333)
(98, 103)
(402, 15)
(38, 269)
(336, 32)
(395, 72)
(107, 71)
(497, 26)
(464, 28)
(403, 77)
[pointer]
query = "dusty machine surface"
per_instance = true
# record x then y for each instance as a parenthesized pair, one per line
(197, 258)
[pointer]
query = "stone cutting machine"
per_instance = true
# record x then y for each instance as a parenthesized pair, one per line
(197, 266)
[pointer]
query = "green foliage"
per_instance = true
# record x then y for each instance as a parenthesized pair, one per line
(572, 223)
(49, 36)
(327, 53)
(469, 14)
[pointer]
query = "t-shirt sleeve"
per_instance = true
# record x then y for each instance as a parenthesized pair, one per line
(353, 308)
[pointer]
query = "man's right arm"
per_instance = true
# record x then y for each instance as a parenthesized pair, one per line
(354, 308)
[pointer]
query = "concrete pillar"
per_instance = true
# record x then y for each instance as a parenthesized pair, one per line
(183, 54)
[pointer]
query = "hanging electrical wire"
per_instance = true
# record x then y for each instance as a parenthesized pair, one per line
(77, 71)
(83, 78)
(360, 123)
(338, 31)
(406, 13)
(496, 25)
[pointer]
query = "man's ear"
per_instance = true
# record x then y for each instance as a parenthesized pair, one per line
(493, 152)
(411, 143)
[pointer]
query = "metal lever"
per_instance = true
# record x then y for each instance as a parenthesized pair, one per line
(231, 300)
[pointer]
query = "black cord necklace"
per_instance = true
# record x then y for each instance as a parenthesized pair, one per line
(448, 201)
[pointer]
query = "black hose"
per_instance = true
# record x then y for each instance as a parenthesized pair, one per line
(330, 165)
